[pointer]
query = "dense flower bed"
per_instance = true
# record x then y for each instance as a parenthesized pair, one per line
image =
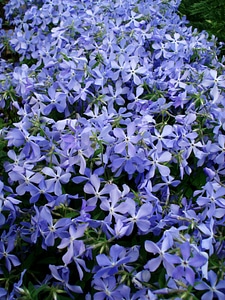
(114, 181)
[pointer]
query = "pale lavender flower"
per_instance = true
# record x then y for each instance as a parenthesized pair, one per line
(93, 187)
(54, 99)
(61, 274)
(164, 256)
(57, 178)
(11, 260)
(109, 289)
(157, 160)
(127, 141)
(138, 216)
(72, 242)
(213, 287)
(118, 258)
(190, 261)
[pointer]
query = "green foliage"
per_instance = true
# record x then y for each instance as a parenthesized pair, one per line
(206, 15)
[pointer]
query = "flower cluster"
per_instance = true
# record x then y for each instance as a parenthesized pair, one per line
(113, 186)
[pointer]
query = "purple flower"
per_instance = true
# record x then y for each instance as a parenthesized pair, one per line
(156, 162)
(208, 230)
(37, 103)
(115, 205)
(141, 278)
(118, 106)
(211, 79)
(83, 91)
(78, 147)
(10, 204)
(213, 201)
(133, 20)
(54, 100)
(25, 180)
(164, 257)
(126, 141)
(135, 99)
(109, 289)
(143, 294)
(30, 231)
(138, 216)
(114, 94)
(57, 178)
(2, 217)
(23, 81)
(3, 293)
(164, 138)
(15, 137)
(109, 265)
(18, 160)
(42, 190)
(120, 67)
(119, 230)
(51, 230)
(133, 71)
(19, 136)
(10, 259)
(117, 259)
(71, 243)
(80, 262)
(93, 188)
(61, 274)
(45, 53)
(162, 49)
(126, 163)
(164, 187)
(213, 287)
(221, 148)
(17, 289)
(190, 261)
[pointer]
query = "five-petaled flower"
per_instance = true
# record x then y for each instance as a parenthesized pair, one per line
(113, 115)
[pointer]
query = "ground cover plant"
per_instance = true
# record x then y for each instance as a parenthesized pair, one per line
(112, 153)
(207, 15)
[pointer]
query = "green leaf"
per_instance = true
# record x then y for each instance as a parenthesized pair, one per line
(27, 263)
(39, 290)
